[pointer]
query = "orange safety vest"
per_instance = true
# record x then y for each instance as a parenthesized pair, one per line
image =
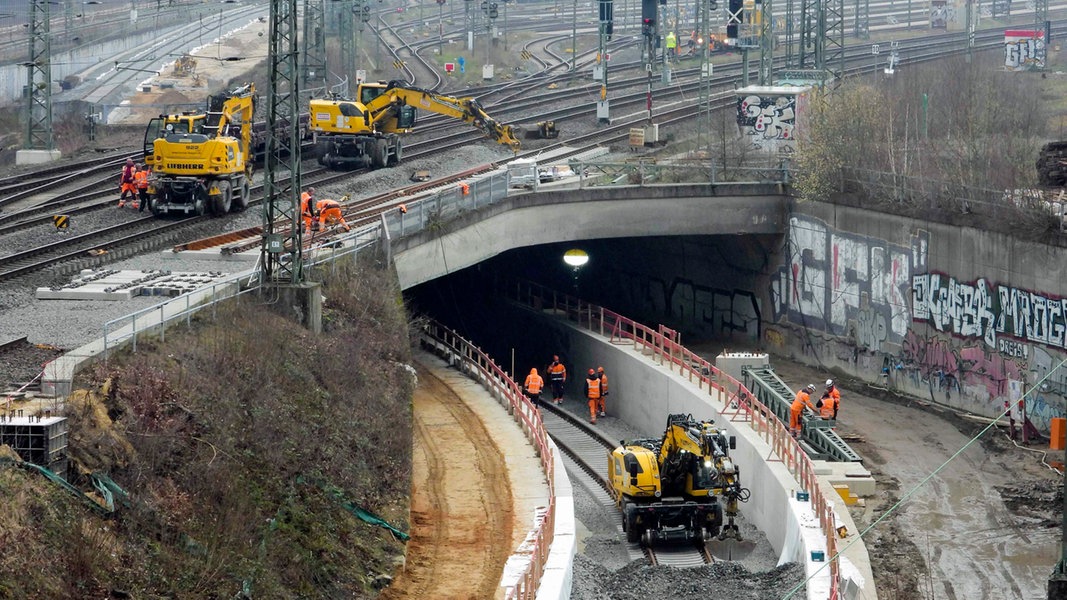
(593, 388)
(557, 372)
(305, 204)
(534, 383)
(140, 178)
(830, 401)
(603, 383)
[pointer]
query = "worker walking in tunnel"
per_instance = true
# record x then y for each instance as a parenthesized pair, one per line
(592, 393)
(830, 401)
(557, 376)
(603, 390)
(533, 385)
(330, 213)
(802, 400)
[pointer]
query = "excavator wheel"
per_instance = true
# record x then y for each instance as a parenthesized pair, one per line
(379, 153)
(241, 202)
(220, 204)
(397, 147)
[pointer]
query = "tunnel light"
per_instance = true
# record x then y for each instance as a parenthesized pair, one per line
(575, 258)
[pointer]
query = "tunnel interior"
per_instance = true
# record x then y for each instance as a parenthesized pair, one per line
(711, 288)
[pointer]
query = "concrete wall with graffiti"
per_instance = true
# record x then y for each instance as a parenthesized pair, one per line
(964, 317)
(708, 286)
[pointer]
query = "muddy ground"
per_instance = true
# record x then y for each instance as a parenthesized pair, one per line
(985, 524)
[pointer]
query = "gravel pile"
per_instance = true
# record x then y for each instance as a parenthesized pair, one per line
(603, 570)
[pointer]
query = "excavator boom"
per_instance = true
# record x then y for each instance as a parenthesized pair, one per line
(368, 129)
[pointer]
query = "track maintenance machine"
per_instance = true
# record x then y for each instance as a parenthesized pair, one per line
(679, 487)
(202, 161)
(368, 130)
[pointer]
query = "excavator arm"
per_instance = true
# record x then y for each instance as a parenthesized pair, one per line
(468, 110)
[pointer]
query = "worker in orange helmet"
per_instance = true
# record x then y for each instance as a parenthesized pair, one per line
(592, 393)
(127, 184)
(603, 390)
(533, 386)
(557, 376)
(830, 401)
(330, 211)
(802, 400)
(308, 208)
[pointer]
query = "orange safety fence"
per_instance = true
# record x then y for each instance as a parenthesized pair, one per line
(490, 375)
(736, 402)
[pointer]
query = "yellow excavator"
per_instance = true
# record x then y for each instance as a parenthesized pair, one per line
(368, 130)
(681, 487)
(202, 161)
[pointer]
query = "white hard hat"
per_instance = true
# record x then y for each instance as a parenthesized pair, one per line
(829, 382)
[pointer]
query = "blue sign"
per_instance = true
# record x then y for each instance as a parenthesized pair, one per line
(461, 64)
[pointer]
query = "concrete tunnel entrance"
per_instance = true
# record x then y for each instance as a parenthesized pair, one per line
(711, 288)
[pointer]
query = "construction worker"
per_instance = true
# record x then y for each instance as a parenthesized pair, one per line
(802, 400)
(140, 180)
(830, 401)
(533, 386)
(330, 210)
(592, 393)
(672, 44)
(557, 376)
(308, 208)
(603, 390)
(127, 183)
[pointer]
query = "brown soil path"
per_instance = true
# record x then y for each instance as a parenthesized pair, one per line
(462, 518)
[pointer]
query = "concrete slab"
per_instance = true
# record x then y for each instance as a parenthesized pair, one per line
(36, 157)
(110, 284)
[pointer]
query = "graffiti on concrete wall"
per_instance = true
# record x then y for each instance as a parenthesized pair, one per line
(847, 285)
(990, 312)
(970, 368)
(722, 312)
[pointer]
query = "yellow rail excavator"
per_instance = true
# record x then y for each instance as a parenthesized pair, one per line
(681, 487)
(202, 161)
(368, 130)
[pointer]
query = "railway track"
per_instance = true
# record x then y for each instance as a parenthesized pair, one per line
(96, 195)
(586, 453)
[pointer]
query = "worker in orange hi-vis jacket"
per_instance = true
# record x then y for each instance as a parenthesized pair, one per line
(830, 401)
(127, 185)
(557, 376)
(802, 400)
(592, 392)
(603, 390)
(330, 213)
(140, 180)
(532, 386)
(308, 208)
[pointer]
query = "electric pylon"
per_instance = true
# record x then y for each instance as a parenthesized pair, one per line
(39, 81)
